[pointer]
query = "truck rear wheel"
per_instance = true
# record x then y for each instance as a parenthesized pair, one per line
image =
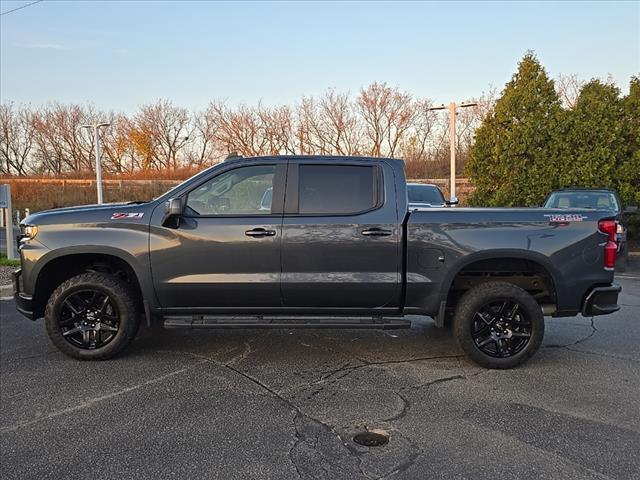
(498, 325)
(92, 316)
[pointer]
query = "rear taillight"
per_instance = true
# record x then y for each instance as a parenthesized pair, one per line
(609, 227)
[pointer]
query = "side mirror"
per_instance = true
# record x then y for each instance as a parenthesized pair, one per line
(172, 211)
(453, 201)
(631, 209)
(174, 207)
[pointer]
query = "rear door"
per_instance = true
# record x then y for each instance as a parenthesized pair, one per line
(341, 241)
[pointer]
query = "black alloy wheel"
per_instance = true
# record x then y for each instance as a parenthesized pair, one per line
(89, 319)
(501, 328)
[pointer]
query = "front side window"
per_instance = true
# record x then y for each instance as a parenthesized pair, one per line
(241, 191)
(336, 189)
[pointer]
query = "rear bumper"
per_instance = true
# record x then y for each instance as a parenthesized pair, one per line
(601, 300)
(24, 303)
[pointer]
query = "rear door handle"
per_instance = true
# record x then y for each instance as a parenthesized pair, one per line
(377, 232)
(260, 232)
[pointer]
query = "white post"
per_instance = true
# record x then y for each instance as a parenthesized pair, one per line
(452, 146)
(96, 129)
(96, 137)
(11, 251)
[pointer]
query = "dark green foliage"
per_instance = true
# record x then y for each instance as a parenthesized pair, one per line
(530, 145)
(513, 160)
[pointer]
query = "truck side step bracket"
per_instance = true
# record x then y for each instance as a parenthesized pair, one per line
(274, 321)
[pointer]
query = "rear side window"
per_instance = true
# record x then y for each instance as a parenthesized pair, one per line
(337, 189)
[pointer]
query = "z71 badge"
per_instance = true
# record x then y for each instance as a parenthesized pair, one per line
(122, 216)
(564, 218)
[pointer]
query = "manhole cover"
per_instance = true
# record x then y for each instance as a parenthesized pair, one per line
(372, 439)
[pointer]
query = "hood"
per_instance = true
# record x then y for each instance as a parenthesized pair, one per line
(90, 213)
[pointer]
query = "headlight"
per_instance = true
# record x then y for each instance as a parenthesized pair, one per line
(29, 231)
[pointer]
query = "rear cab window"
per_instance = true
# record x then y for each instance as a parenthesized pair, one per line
(338, 189)
(583, 199)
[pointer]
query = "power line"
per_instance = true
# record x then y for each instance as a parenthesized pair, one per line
(20, 8)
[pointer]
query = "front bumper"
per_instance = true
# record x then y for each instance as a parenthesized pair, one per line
(601, 300)
(24, 303)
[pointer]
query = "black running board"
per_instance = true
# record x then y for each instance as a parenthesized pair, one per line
(275, 321)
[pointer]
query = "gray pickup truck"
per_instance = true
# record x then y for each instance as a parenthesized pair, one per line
(336, 247)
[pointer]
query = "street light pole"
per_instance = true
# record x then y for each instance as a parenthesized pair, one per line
(452, 140)
(96, 136)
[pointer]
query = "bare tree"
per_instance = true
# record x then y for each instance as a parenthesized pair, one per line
(119, 152)
(16, 139)
(160, 131)
(203, 149)
(277, 129)
(380, 121)
(388, 115)
(568, 88)
(59, 144)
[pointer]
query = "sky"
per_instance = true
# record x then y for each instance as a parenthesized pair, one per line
(119, 55)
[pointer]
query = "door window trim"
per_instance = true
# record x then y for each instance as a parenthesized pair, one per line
(292, 196)
(277, 202)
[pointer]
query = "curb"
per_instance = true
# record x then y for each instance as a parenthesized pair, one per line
(6, 292)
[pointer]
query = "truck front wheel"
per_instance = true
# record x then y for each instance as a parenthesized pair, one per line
(92, 316)
(498, 325)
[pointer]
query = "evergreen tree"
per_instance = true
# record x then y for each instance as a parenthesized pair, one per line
(514, 158)
(629, 174)
(593, 145)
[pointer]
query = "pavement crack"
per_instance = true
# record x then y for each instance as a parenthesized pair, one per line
(248, 350)
(407, 464)
(440, 380)
(580, 340)
(406, 405)
(93, 401)
(299, 417)
(407, 360)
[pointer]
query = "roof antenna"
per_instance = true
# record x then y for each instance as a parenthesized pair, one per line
(232, 155)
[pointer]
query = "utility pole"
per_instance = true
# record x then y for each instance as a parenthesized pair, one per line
(452, 139)
(96, 135)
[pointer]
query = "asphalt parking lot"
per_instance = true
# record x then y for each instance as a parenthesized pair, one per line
(281, 404)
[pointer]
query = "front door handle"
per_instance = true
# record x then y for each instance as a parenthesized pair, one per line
(260, 232)
(377, 232)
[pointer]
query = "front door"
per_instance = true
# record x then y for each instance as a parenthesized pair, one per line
(225, 252)
(341, 237)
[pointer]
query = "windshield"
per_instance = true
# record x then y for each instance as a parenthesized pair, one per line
(593, 200)
(425, 194)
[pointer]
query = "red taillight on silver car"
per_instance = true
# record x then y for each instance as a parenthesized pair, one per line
(609, 227)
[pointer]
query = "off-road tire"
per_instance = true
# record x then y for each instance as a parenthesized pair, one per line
(121, 297)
